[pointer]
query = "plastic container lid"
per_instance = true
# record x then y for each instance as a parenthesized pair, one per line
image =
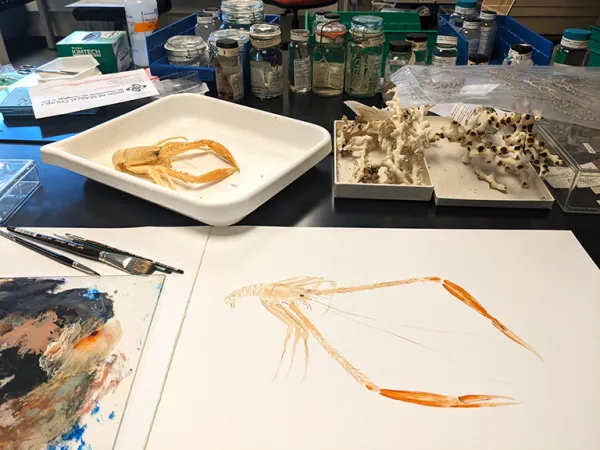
(265, 35)
(185, 45)
(366, 25)
(479, 58)
(416, 37)
(466, 3)
(522, 49)
(400, 47)
(331, 16)
(577, 34)
(227, 43)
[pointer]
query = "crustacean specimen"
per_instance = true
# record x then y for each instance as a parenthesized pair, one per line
(284, 298)
(520, 148)
(156, 161)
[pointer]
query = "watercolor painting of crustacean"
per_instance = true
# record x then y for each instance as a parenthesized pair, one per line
(69, 349)
(283, 300)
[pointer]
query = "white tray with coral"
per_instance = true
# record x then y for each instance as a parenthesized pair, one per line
(380, 156)
(457, 183)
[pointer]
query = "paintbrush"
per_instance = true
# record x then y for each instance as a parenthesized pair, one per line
(129, 264)
(62, 259)
(107, 248)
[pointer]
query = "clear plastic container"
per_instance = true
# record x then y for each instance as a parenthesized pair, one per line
(266, 61)
(445, 52)
(187, 81)
(205, 25)
(399, 55)
(242, 14)
(187, 51)
(300, 61)
(463, 9)
(365, 56)
(573, 48)
(487, 32)
(471, 32)
(19, 179)
(419, 48)
(329, 57)
(519, 55)
(228, 70)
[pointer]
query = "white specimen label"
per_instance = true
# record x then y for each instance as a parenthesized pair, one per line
(443, 61)
(237, 85)
(374, 72)
(576, 45)
(465, 11)
(302, 73)
(473, 46)
(265, 79)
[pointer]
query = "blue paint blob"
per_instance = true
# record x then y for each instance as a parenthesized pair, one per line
(111, 416)
(95, 410)
(92, 294)
(74, 435)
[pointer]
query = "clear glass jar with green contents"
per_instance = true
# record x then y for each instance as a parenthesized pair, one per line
(419, 48)
(329, 57)
(398, 57)
(573, 48)
(365, 56)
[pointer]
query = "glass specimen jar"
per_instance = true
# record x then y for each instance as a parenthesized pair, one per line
(266, 61)
(573, 48)
(228, 68)
(329, 58)
(463, 9)
(187, 51)
(471, 32)
(487, 32)
(519, 55)
(205, 25)
(300, 58)
(399, 55)
(445, 51)
(419, 48)
(242, 13)
(365, 56)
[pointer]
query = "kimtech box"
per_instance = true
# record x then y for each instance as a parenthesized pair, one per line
(110, 48)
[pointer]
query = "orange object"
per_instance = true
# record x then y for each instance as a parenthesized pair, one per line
(145, 27)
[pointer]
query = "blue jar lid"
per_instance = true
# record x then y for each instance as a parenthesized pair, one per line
(467, 3)
(577, 34)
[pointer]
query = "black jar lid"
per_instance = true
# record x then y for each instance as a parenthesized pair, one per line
(416, 37)
(332, 16)
(400, 46)
(479, 58)
(522, 49)
(227, 43)
(204, 14)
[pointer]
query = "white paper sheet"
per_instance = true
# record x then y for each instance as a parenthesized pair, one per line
(220, 392)
(179, 247)
(63, 97)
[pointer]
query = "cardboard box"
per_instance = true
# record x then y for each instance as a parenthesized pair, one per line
(110, 48)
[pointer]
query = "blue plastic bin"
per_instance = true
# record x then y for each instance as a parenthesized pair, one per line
(159, 63)
(510, 32)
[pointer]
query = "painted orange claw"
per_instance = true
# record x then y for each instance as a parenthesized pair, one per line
(445, 401)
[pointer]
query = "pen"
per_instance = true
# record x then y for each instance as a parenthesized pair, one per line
(50, 254)
(159, 266)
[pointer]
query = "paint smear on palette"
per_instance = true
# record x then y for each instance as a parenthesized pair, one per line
(59, 356)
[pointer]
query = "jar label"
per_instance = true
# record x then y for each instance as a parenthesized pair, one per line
(447, 40)
(375, 72)
(473, 46)
(488, 17)
(443, 60)
(328, 75)
(419, 46)
(514, 56)
(373, 42)
(572, 44)
(227, 52)
(237, 85)
(302, 73)
(265, 79)
(147, 26)
(266, 43)
(486, 42)
(465, 11)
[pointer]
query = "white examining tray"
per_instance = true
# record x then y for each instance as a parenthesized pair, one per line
(456, 184)
(272, 151)
(376, 191)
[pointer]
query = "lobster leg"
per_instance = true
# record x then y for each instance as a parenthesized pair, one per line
(419, 398)
(301, 331)
(288, 333)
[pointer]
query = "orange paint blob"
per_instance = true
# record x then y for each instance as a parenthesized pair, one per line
(89, 342)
